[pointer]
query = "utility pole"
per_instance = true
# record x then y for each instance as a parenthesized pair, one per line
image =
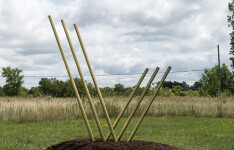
(219, 69)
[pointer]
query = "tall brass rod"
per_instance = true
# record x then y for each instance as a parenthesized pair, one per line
(83, 81)
(147, 108)
(140, 100)
(128, 101)
(95, 83)
(72, 80)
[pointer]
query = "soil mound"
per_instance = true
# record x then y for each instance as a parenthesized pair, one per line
(87, 144)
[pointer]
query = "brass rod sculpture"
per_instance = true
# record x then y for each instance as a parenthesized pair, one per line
(128, 101)
(72, 80)
(147, 108)
(140, 100)
(83, 81)
(95, 83)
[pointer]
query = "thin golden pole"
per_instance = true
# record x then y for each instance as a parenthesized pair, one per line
(72, 80)
(141, 98)
(83, 81)
(129, 100)
(95, 83)
(151, 101)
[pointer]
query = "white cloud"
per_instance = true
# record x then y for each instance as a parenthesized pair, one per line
(119, 36)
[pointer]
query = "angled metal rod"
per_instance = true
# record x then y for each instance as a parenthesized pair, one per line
(128, 101)
(147, 108)
(95, 83)
(83, 81)
(72, 80)
(140, 100)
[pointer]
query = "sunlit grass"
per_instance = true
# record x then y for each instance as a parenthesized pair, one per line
(22, 109)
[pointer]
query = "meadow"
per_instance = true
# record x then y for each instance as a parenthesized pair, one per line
(21, 109)
(184, 122)
(188, 133)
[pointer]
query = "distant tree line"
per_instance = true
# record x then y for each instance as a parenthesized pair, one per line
(208, 85)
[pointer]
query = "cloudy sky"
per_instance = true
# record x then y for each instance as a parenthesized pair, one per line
(121, 37)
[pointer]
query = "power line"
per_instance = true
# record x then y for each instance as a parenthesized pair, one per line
(114, 76)
(106, 75)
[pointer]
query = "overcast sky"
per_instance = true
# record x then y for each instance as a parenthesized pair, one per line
(121, 37)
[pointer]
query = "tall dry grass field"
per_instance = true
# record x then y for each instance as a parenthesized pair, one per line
(23, 109)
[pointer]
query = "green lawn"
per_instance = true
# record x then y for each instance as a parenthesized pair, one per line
(182, 132)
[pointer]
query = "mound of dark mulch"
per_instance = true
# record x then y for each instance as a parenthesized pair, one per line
(87, 144)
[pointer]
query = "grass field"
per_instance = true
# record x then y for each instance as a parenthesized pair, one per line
(194, 133)
(23, 109)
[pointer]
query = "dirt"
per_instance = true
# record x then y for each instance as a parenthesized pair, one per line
(87, 144)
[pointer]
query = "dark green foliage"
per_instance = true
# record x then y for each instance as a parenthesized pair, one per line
(35, 92)
(185, 86)
(166, 92)
(192, 93)
(139, 91)
(174, 91)
(178, 90)
(59, 88)
(79, 86)
(208, 85)
(196, 86)
(231, 24)
(68, 89)
(128, 91)
(14, 81)
(24, 91)
(92, 89)
(48, 86)
(107, 91)
(1, 91)
(211, 83)
(227, 79)
(119, 89)
(170, 85)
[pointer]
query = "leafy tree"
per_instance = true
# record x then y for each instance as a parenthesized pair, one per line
(24, 91)
(211, 83)
(231, 24)
(166, 92)
(14, 81)
(139, 91)
(35, 92)
(107, 91)
(1, 91)
(92, 89)
(119, 89)
(128, 91)
(80, 87)
(45, 86)
(177, 90)
(68, 90)
(192, 93)
(59, 88)
(185, 86)
(227, 79)
(170, 84)
(202, 92)
(196, 86)
(52, 87)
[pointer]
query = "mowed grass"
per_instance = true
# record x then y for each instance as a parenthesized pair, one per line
(23, 109)
(196, 133)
